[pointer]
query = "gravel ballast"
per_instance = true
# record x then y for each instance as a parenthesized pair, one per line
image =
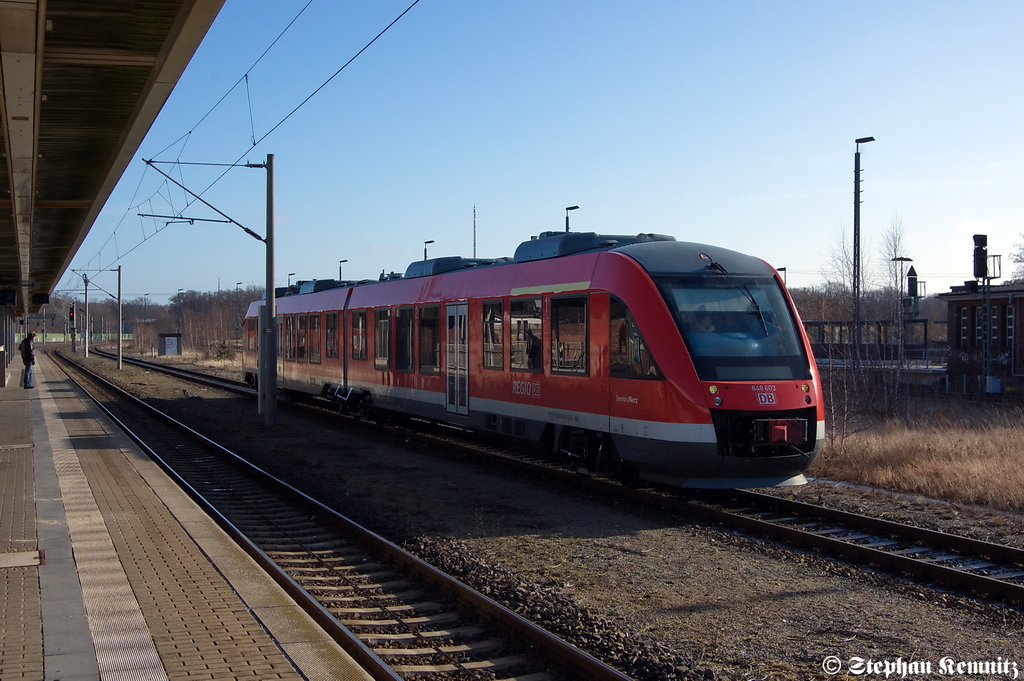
(659, 595)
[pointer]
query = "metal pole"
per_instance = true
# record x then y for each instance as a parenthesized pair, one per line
(986, 333)
(120, 321)
(856, 258)
(856, 249)
(268, 334)
(85, 342)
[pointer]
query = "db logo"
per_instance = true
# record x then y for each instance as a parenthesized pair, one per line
(766, 398)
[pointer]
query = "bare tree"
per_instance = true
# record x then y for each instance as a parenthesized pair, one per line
(1018, 259)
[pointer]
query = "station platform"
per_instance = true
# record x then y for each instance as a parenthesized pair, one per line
(109, 571)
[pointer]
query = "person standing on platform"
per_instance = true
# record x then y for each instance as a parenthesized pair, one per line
(28, 356)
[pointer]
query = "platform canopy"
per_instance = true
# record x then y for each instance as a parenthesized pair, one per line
(81, 83)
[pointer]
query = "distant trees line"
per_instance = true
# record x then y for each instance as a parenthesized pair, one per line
(211, 323)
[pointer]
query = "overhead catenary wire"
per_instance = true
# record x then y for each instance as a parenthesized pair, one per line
(183, 139)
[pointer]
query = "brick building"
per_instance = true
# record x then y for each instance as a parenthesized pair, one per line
(967, 321)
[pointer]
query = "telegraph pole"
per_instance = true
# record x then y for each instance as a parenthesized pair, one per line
(268, 317)
(268, 313)
(85, 324)
(120, 322)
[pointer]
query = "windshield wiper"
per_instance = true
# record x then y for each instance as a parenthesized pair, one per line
(717, 267)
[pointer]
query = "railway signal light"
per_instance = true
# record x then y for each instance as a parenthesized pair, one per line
(980, 256)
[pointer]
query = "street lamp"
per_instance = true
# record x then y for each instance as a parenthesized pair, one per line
(900, 287)
(340, 263)
(290, 275)
(237, 321)
(856, 245)
(783, 270)
(425, 248)
(181, 314)
(567, 209)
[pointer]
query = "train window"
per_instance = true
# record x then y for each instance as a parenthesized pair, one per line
(300, 338)
(737, 328)
(359, 334)
(279, 325)
(527, 351)
(289, 338)
(629, 356)
(313, 338)
(569, 336)
(382, 338)
(331, 334)
(494, 350)
(252, 336)
(404, 339)
(430, 340)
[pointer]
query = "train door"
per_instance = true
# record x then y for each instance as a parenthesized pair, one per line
(457, 359)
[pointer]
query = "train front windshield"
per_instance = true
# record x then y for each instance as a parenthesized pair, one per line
(737, 328)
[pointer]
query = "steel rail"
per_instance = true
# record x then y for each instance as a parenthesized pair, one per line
(992, 587)
(233, 385)
(554, 647)
(953, 542)
(376, 667)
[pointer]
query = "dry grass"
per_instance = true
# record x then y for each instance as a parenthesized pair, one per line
(966, 458)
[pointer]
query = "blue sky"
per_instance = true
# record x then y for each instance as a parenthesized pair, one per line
(730, 123)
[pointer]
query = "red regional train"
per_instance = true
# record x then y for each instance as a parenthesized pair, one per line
(673, 362)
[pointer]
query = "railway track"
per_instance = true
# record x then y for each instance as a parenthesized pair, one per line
(398, 616)
(936, 558)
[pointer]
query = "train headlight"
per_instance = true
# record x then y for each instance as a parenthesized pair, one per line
(718, 401)
(713, 389)
(806, 388)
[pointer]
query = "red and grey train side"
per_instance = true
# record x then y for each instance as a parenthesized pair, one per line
(674, 362)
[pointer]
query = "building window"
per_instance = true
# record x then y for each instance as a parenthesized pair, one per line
(331, 334)
(430, 340)
(382, 339)
(314, 338)
(404, 321)
(527, 351)
(994, 323)
(494, 343)
(629, 355)
(1008, 317)
(359, 334)
(569, 336)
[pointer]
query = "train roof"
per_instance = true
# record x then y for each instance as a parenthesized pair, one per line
(656, 253)
(683, 257)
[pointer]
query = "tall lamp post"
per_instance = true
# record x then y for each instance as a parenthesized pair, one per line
(238, 324)
(567, 209)
(856, 247)
(425, 248)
